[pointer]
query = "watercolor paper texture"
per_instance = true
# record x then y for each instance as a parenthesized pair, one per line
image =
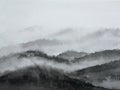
(59, 45)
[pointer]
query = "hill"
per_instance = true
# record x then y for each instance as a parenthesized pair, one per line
(106, 75)
(41, 78)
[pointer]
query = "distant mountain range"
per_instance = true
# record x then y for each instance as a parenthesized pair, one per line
(103, 39)
(70, 39)
(40, 44)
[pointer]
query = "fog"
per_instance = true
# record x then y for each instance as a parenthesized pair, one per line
(111, 84)
(52, 16)
(13, 63)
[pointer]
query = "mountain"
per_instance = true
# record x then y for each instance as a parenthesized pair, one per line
(30, 58)
(68, 39)
(70, 34)
(63, 32)
(30, 38)
(71, 55)
(40, 78)
(106, 75)
(65, 35)
(17, 67)
(39, 44)
(99, 40)
(108, 31)
(105, 55)
(27, 58)
(94, 59)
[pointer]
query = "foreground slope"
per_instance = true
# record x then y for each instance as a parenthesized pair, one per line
(106, 75)
(41, 78)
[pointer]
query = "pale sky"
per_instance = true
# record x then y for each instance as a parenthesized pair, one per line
(17, 14)
(53, 15)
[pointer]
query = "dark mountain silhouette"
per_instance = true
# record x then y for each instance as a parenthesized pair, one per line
(101, 71)
(40, 78)
(109, 72)
(32, 53)
(93, 59)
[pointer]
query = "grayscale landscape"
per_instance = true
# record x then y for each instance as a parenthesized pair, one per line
(59, 45)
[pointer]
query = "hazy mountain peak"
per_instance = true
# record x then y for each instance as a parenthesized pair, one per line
(108, 31)
(69, 34)
(63, 32)
(40, 43)
(99, 58)
(71, 55)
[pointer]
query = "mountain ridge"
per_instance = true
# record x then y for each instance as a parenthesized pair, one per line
(71, 55)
